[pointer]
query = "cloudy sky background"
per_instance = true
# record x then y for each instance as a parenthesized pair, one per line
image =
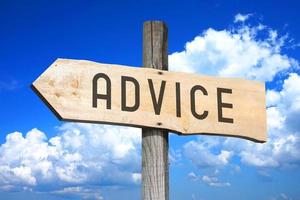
(42, 158)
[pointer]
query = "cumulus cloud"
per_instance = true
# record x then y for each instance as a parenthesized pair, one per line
(174, 156)
(81, 154)
(209, 180)
(214, 181)
(241, 18)
(203, 155)
(283, 148)
(238, 52)
(83, 192)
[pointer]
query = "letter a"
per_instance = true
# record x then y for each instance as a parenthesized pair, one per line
(106, 96)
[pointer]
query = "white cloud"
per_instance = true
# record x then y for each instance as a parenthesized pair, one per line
(283, 147)
(193, 176)
(291, 91)
(272, 97)
(263, 160)
(209, 180)
(275, 119)
(83, 192)
(81, 154)
(285, 104)
(174, 156)
(201, 154)
(241, 18)
(136, 177)
(234, 53)
(214, 181)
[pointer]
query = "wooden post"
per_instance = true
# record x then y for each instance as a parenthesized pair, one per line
(155, 165)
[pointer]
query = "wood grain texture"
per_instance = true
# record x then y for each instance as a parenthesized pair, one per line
(155, 142)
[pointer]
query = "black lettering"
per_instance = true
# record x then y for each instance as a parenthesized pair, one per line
(106, 96)
(178, 105)
(193, 106)
(223, 105)
(157, 103)
(136, 105)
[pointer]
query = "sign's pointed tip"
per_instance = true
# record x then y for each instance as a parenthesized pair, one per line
(34, 87)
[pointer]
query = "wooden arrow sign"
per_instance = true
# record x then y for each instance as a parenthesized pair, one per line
(84, 91)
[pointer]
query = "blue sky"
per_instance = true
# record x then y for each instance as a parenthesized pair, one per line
(43, 158)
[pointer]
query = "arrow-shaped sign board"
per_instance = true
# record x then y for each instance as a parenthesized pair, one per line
(85, 91)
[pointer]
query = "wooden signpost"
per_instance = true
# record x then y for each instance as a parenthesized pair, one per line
(156, 100)
(86, 91)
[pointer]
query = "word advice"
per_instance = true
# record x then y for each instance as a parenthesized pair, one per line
(157, 101)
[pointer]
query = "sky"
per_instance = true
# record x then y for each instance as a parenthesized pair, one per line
(44, 158)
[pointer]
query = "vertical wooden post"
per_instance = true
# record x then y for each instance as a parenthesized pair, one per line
(155, 165)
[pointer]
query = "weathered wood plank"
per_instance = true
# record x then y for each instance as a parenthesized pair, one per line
(67, 87)
(155, 166)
